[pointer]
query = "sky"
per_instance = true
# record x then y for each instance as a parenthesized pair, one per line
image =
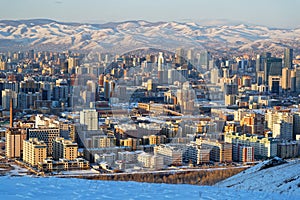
(272, 13)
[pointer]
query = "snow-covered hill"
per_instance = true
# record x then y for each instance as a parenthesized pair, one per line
(58, 188)
(272, 179)
(43, 34)
(272, 176)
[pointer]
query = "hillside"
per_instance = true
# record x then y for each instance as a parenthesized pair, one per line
(44, 34)
(272, 176)
(65, 188)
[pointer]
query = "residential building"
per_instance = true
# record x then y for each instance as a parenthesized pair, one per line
(219, 151)
(14, 142)
(34, 151)
(47, 135)
(171, 155)
(89, 117)
(264, 147)
(49, 165)
(288, 149)
(196, 154)
(65, 149)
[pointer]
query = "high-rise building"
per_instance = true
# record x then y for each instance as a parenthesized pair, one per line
(7, 95)
(149, 85)
(264, 147)
(296, 124)
(276, 117)
(286, 78)
(3, 65)
(190, 56)
(288, 149)
(231, 90)
(275, 84)
(160, 61)
(196, 153)
(219, 151)
(245, 153)
(89, 117)
(272, 67)
(65, 149)
(173, 75)
(260, 60)
(47, 135)
(288, 58)
(106, 89)
(293, 80)
(14, 142)
(297, 79)
(253, 123)
(29, 85)
(35, 151)
(72, 63)
(214, 76)
(283, 130)
(162, 72)
(204, 60)
(103, 141)
(179, 56)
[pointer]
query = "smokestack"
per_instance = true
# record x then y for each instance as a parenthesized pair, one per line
(11, 113)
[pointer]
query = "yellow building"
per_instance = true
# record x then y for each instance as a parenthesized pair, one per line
(14, 142)
(103, 141)
(65, 149)
(253, 123)
(157, 139)
(45, 134)
(34, 151)
(219, 151)
(130, 142)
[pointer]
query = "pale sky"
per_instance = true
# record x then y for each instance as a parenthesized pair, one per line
(272, 13)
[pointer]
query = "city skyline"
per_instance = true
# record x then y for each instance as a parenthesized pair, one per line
(268, 13)
(191, 92)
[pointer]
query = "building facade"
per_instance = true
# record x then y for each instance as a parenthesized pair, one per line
(47, 135)
(65, 149)
(34, 151)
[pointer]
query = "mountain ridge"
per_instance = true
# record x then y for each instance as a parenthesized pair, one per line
(47, 34)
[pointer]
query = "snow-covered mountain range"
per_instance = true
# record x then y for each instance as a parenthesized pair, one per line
(44, 34)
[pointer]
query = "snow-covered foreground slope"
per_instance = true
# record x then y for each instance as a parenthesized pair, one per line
(127, 36)
(58, 188)
(283, 178)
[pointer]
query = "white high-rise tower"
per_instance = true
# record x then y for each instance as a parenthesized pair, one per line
(160, 61)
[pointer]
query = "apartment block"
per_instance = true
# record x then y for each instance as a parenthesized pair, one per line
(264, 147)
(196, 153)
(65, 149)
(34, 151)
(288, 149)
(47, 135)
(14, 142)
(49, 165)
(219, 151)
(171, 155)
